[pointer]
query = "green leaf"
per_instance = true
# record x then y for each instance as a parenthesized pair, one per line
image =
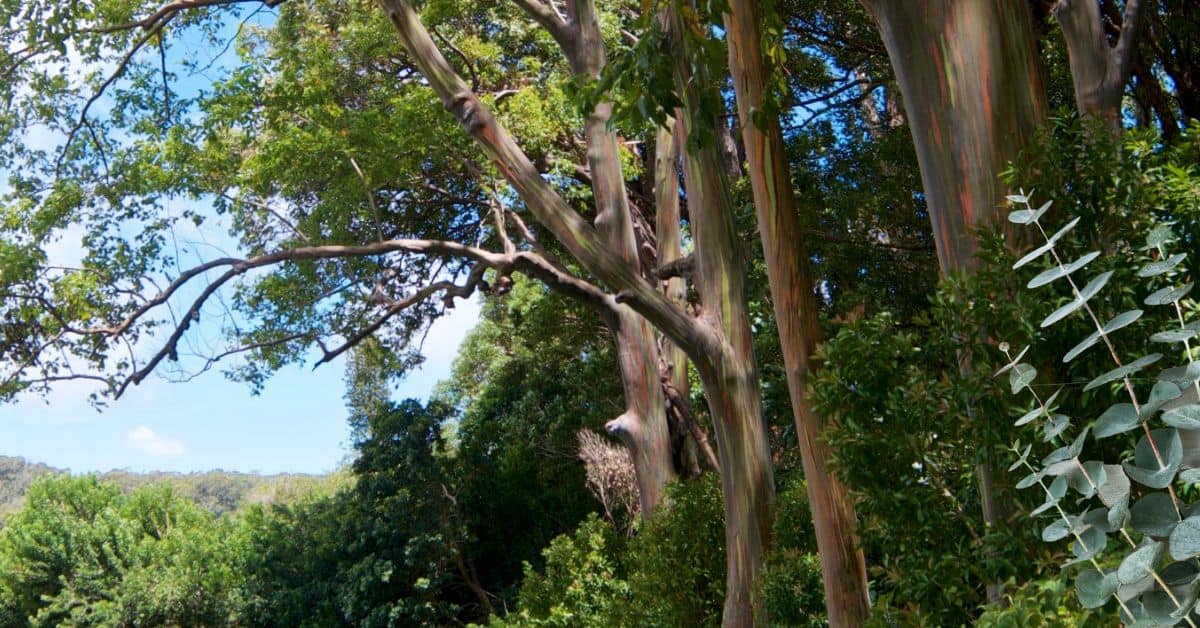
(1056, 531)
(1122, 371)
(1020, 376)
(1146, 469)
(1094, 588)
(1043, 249)
(1088, 291)
(1119, 418)
(1115, 488)
(1059, 272)
(1169, 295)
(1154, 515)
(1173, 335)
(1184, 417)
(1068, 452)
(1140, 563)
(1185, 539)
(1161, 266)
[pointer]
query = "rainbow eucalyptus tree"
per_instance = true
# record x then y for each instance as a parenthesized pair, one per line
(842, 562)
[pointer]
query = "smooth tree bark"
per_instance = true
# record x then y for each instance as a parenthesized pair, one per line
(718, 341)
(842, 563)
(973, 94)
(643, 426)
(971, 81)
(730, 380)
(1099, 71)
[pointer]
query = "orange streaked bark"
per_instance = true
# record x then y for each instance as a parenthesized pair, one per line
(842, 563)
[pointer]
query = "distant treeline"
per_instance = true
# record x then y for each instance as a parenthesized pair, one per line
(218, 492)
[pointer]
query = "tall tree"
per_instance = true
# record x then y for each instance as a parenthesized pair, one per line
(971, 81)
(842, 562)
(357, 205)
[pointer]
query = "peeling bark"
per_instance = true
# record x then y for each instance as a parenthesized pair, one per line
(645, 431)
(842, 563)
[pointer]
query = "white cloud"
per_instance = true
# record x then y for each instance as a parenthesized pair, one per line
(146, 440)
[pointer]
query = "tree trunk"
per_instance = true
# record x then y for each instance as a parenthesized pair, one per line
(643, 426)
(730, 376)
(842, 564)
(1098, 71)
(972, 85)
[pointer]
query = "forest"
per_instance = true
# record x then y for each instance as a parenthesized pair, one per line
(794, 313)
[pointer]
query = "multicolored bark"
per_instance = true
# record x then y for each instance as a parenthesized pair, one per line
(842, 562)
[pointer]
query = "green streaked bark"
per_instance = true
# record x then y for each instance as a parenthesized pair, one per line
(643, 427)
(972, 85)
(842, 564)
(730, 376)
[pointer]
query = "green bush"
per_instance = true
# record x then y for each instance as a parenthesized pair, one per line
(790, 585)
(582, 584)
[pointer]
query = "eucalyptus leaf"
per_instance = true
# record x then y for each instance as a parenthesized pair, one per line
(1158, 236)
(1160, 394)
(1154, 515)
(1055, 426)
(1190, 476)
(1085, 480)
(1183, 417)
(1056, 531)
(1088, 543)
(1147, 469)
(1043, 249)
(1059, 272)
(1173, 335)
(1020, 376)
(1169, 295)
(1028, 481)
(1115, 487)
(1140, 563)
(1123, 371)
(1124, 319)
(1004, 369)
(1094, 588)
(1117, 419)
(1084, 345)
(1029, 416)
(1161, 266)
(1058, 488)
(1185, 539)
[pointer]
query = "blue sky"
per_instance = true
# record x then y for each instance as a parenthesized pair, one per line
(297, 423)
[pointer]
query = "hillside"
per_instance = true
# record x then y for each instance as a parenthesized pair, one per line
(217, 491)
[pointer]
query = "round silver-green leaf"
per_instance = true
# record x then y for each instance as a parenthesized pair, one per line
(1140, 563)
